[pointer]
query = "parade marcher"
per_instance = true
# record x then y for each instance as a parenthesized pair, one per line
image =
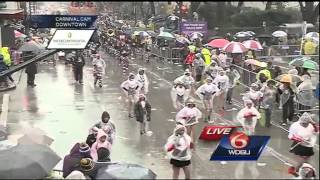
(188, 62)
(248, 117)
(305, 96)
(304, 135)
(179, 95)
(222, 59)
(198, 65)
(179, 147)
(102, 141)
(222, 81)
(189, 116)
(268, 100)
(71, 162)
(131, 88)
(99, 66)
(234, 77)
(78, 62)
(31, 69)
(286, 101)
(142, 110)
(187, 81)
(106, 125)
(206, 93)
(142, 78)
(214, 57)
(254, 94)
(212, 70)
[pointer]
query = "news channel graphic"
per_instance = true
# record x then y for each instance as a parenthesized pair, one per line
(63, 21)
(70, 39)
(215, 133)
(240, 147)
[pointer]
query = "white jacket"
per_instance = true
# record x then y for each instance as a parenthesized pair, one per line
(189, 116)
(206, 89)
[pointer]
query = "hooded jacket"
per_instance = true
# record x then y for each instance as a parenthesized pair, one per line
(178, 147)
(189, 116)
(71, 162)
(140, 111)
(130, 87)
(98, 144)
(143, 80)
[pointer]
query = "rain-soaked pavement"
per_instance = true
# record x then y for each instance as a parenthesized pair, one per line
(66, 110)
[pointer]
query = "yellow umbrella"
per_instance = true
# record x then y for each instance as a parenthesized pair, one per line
(289, 78)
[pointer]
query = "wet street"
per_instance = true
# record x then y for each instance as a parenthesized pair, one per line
(66, 111)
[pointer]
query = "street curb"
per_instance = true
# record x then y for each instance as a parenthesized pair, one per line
(4, 117)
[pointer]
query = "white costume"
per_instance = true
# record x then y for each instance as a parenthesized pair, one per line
(179, 95)
(248, 124)
(144, 82)
(100, 65)
(253, 94)
(189, 116)
(181, 143)
(131, 88)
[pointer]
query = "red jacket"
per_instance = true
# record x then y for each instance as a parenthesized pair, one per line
(190, 58)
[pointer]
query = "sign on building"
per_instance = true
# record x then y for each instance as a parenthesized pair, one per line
(196, 26)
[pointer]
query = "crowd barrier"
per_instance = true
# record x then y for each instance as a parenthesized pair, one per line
(167, 53)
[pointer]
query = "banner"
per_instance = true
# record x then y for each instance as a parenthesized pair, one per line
(62, 21)
(70, 39)
(196, 26)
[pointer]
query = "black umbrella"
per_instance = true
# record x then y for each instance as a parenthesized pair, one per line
(125, 171)
(27, 162)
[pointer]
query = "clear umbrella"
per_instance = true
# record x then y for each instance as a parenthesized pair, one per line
(125, 171)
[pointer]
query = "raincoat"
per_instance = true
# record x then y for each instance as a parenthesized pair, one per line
(189, 116)
(305, 95)
(212, 71)
(247, 123)
(144, 82)
(187, 81)
(207, 56)
(130, 87)
(99, 65)
(309, 48)
(179, 94)
(308, 135)
(178, 146)
(266, 72)
(6, 55)
(207, 91)
(98, 144)
(254, 96)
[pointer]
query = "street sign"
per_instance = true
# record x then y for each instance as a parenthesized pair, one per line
(70, 39)
(62, 21)
(195, 26)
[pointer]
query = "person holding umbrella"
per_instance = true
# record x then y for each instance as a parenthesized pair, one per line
(286, 100)
(303, 133)
(179, 148)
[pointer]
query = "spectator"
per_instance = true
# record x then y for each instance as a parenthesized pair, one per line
(199, 65)
(100, 142)
(142, 110)
(31, 69)
(286, 101)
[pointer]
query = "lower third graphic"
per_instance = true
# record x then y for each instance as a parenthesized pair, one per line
(240, 147)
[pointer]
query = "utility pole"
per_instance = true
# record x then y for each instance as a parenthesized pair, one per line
(135, 13)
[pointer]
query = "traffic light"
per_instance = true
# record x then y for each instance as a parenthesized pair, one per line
(184, 9)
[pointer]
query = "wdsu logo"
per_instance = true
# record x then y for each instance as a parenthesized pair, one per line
(240, 147)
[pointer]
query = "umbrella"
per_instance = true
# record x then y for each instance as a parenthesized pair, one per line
(144, 34)
(251, 33)
(218, 43)
(125, 171)
(290, 78)
(252, 44)
(35, 136)
(183, 40)
(215, 37)
(242, 34)
(235, 47)
(173, 17)
(264, 36)
(312, 35)
(279, 34)
(256, 62)
(27, 162)
(18, 34)
(152, 33)
(166, 35)
(299, 61)
(31, 46)
(305, 62)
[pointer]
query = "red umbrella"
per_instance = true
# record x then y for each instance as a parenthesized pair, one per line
(218, 43)
(235, 47)
(252, 44)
